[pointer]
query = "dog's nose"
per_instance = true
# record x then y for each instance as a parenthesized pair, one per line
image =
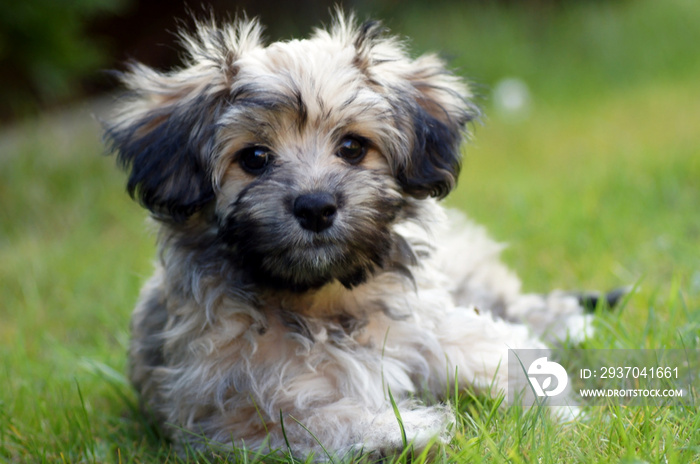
(315, 211)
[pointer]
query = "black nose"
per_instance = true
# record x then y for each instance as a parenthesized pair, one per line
(315, 211)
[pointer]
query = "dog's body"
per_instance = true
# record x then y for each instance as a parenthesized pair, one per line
(304, 270)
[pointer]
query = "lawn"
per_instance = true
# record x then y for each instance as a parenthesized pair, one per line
(594, 183)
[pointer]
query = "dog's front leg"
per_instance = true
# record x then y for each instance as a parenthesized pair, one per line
(336, 396)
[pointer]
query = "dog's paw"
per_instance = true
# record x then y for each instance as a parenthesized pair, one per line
(416, 428)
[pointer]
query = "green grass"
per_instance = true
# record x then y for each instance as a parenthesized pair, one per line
(597, 187)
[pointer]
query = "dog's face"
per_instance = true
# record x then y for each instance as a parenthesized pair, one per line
(307, 151)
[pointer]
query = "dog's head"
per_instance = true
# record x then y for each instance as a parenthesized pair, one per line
(307, 151)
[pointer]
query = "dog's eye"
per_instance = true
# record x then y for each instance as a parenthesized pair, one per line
(254, 159)
(352, 149)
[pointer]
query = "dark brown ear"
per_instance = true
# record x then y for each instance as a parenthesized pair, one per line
(164, 131)
(431, 105)
(438, 113)
(163, 143)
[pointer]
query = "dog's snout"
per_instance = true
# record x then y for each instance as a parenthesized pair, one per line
(315, 211)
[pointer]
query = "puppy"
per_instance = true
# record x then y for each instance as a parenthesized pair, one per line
(307, 277)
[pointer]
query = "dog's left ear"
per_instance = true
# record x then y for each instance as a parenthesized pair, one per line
(430, 103)
(164, 133)
(437, 110)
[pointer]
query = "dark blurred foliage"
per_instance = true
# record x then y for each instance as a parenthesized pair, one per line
(54, 51)
(45, 52)
(147, 31)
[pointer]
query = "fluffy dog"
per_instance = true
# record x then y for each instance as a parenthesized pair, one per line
(305, 269)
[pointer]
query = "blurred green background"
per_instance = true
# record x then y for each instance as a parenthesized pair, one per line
(587, 162)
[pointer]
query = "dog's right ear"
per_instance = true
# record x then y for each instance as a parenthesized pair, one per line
(164, 131)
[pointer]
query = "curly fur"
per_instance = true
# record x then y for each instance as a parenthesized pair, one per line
(251, 319)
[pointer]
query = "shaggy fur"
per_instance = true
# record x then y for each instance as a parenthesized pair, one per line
(305, 267)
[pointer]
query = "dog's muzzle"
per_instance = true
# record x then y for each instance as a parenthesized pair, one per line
(315, 211)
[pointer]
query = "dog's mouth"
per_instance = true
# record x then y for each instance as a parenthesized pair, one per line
(281, 258)
(315, 264)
